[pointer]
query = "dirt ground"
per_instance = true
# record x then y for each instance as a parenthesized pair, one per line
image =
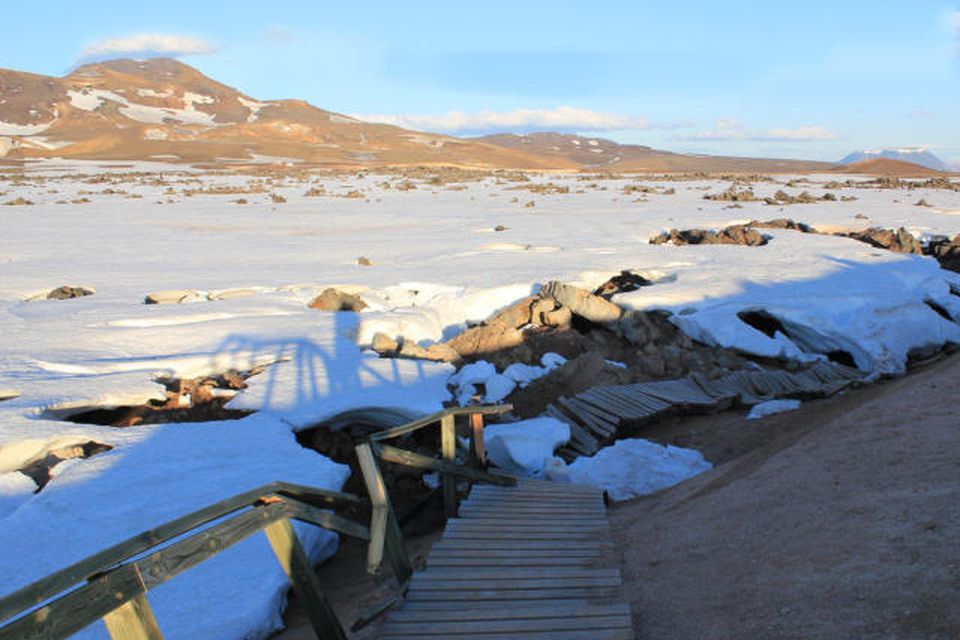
(845, 523)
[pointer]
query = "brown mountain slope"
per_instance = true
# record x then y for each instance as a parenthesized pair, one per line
(601, 154)
(887, 167)
(164, 109)
(134, 110)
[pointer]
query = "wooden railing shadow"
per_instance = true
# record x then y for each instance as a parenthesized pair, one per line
(113, 584)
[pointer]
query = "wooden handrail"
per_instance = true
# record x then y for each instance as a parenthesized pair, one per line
(433, 418)
(117, 578)
(384, 530)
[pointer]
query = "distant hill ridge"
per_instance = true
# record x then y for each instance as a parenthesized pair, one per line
(921, 157)
(162, 109)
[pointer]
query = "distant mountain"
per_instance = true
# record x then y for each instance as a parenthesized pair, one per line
(162, 109)
(886, 167)
(916, 156)
(599, 154)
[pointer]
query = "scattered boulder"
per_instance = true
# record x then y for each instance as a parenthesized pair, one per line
(582, 303)
(171, 296)
(626, 281)
(782, 223)
(67, 292)
(946, 252)
(736, 234)
(732, 195)
(335, 300)
(364, 261)
(487, 338)
(385, 345)
(900, 240)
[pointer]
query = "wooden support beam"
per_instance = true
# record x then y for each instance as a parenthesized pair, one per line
(420, 461)
(477, 448)
(448, 449)
(380, 505)
(133, 620)
(286, 545)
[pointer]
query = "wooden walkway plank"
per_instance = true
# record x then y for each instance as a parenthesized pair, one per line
(524, 562)
(564, 610)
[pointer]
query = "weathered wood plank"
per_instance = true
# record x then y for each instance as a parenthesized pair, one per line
(426, 421)
(133, 620)
(379, 500)
(448, 449)
(519, 535)
(593, 634)
(424, 581)
(510, 626)
(503, 605)
(70, 613)
(508, 574)
(286, 545)
(465, 552)
(600, 412)
(528, 525)
(162, 565)
(593, 543)
(506, 612)
(51, 585)
(466, 564)
(420, 461)
(512, 595)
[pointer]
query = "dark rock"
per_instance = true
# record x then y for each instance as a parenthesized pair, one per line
(67, 292)
(334, 300)
(626, 281)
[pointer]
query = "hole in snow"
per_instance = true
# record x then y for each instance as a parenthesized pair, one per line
(417, 505)
(187, 400)
(41, 471)
(943, 313)
(841, 357)
(762, 321)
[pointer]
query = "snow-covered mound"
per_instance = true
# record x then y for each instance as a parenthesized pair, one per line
(633, 468)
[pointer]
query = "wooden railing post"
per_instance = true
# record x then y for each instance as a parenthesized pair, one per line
(477, 448)
(133, 620)
(448, 450)
(384, 529)
(286, 545)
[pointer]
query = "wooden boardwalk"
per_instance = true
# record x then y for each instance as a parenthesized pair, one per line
(595, 415)
(528, 562)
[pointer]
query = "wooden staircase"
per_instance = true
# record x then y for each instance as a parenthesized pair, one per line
(530, 561)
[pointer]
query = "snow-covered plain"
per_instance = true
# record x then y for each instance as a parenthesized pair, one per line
(437, 263)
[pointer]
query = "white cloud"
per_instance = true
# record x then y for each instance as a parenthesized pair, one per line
(147, 44)
(734, 130)
(558, 119)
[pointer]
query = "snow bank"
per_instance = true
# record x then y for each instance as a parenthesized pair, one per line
(636, 467)
(498, 386)
(176, 468)
(771, 407)
(525, 447)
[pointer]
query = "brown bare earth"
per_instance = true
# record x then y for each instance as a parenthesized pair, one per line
(887, 167)
(843, 525)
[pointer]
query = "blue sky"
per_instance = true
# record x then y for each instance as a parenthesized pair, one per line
(807, 80)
